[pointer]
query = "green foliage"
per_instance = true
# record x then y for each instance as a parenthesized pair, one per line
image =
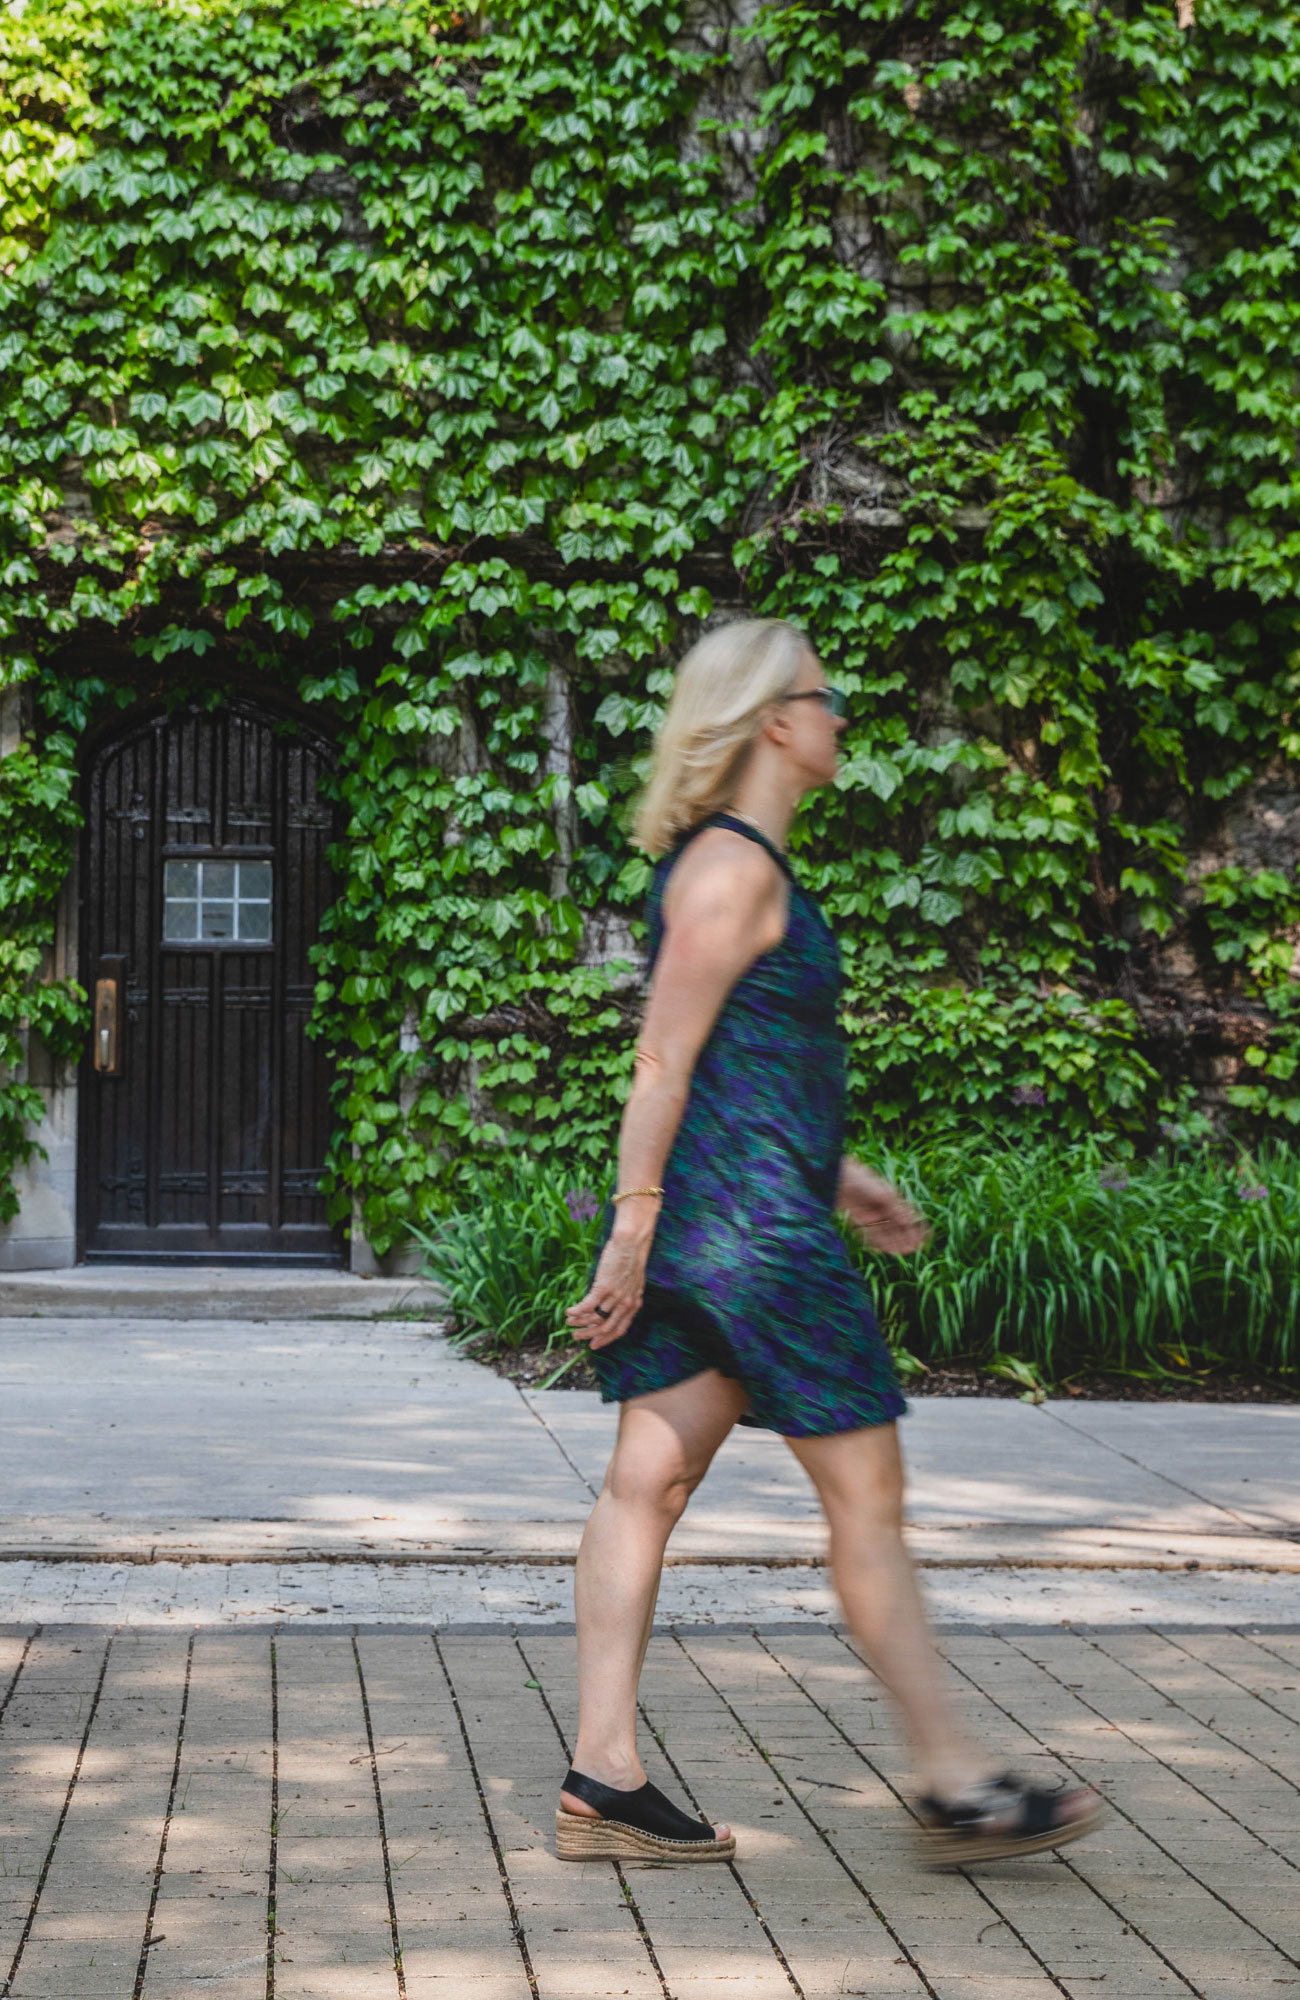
(37, 809)
(941, 1057)
(449, 371)
(513, 1256)
(1065, 1257)
(1248, 914)
(1046, 1257)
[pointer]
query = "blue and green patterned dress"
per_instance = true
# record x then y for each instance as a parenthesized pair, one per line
(748, 1273)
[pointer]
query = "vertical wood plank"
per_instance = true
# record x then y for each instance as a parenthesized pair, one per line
(333, 1934)
(40, 1736)
(90, 1920)
(453, 1916)
(210, 1920)
(581, 1934)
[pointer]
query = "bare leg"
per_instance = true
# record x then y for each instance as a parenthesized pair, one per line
(859, 1480)
(666, 1442)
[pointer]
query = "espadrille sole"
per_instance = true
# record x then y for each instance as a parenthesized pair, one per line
(578, 1838)
(941, 1848)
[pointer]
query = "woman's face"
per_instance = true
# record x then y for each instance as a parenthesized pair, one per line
(810, 734)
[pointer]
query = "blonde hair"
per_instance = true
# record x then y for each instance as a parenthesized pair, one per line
(714, 715)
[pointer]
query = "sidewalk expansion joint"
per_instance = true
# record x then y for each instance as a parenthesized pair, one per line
(1272, 1563)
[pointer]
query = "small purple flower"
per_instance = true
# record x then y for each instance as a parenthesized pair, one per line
(1249, 1193)
(1168, 1131)
(1029, 1093)
(582, 1205)
(1113, 1180)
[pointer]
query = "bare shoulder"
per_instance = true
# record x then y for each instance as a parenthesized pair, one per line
(723, 874)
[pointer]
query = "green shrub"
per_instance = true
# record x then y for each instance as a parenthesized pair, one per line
(1046, 1258)
(1067, 1257)
(514, 1256)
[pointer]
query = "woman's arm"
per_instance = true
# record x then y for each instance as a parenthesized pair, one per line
(727, 905)
(878, 1211)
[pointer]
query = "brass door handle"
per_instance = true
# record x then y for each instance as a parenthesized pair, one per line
(107, 1045)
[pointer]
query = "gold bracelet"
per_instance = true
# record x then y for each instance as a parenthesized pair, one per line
(630, 1191)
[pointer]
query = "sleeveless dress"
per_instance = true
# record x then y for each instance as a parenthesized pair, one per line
(748, 1272)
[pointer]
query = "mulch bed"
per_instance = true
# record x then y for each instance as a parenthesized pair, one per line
(531, 1364)
(1100, 1388)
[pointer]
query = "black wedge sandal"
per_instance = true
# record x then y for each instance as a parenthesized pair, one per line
(633, 1826)
(1001, 1817)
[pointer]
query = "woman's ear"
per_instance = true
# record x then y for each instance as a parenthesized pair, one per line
(776, 722)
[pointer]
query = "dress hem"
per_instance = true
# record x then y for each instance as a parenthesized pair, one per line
(890, 1407)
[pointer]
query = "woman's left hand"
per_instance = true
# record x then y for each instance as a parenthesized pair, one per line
(617, 1289)
(879, 1213)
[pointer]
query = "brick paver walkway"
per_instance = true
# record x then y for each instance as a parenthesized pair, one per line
(321, 1816)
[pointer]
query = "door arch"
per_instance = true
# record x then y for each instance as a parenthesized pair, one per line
(205, 1109)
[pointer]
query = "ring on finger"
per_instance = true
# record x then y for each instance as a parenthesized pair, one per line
(601, 1312)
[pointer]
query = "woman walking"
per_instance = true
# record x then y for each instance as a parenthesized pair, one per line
(724, 1292)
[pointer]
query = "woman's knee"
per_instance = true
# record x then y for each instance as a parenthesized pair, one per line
(666, 1443)
(869, 1507)
(656, 1486)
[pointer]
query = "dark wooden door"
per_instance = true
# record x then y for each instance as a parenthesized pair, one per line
(204, 884)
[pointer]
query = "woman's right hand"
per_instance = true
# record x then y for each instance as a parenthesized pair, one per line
(881, 1215)
(616, 1290)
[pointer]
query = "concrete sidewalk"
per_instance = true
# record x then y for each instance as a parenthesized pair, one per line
(311, 1468)
(239, 1440)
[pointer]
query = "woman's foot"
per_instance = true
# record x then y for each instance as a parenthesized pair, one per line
(1003, 1816)
(600, 1821)
(619, 1778)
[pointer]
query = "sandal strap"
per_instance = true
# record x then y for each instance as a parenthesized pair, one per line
(646, 1809)
(1038, 1811)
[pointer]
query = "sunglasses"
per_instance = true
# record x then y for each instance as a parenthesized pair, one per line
(834, 699)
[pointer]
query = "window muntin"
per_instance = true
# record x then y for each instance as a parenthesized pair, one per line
(217, 902)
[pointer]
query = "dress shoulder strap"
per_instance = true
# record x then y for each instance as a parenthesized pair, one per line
(734, 824)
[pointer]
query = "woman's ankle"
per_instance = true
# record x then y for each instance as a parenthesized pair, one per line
(945, 1778)
(620, 1768)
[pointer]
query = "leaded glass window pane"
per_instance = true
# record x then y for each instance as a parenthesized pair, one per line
(217, 901)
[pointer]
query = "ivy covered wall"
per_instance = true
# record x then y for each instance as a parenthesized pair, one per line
(447, 370)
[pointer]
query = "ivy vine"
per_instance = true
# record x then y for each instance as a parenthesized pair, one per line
(451, 369)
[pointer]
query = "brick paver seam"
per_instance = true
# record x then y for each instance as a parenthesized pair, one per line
(1180, 1776)
(515, 1924)
(985, 1897)
(1231, 1679)
(17, 1673)
(1068, 1861)
(1212, 1726)
(629, 1897)
(736, 1875)
(877, 1912)
(142, 1969)
(273, 1855)
(1143, 1832)
(379, 1809)
(1255, 1640)
(15, 1962)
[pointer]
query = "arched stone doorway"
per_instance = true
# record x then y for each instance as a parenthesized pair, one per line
(204, 1113)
